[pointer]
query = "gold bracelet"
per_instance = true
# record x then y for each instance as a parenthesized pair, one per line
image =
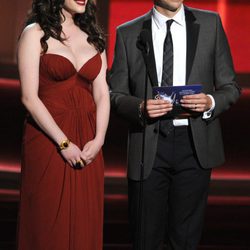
(64, 144)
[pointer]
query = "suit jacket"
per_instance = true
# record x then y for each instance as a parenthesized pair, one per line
(209, 62)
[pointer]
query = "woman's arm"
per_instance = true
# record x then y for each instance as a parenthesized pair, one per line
(29, 50)
(102, 101)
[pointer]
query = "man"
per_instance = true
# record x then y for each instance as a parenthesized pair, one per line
(186, 46)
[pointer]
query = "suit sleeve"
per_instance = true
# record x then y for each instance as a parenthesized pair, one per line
(122, 101)
(226, 90)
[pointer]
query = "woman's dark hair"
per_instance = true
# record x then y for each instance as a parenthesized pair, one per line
(48, 14)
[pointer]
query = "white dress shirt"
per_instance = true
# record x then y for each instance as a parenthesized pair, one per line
(178, 31)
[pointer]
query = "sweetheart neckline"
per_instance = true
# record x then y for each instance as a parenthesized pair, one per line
(68, 60)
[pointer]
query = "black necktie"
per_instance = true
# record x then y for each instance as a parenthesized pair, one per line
(168, 57)
(166, 125)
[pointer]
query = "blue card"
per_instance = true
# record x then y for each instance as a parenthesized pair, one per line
(173, 94)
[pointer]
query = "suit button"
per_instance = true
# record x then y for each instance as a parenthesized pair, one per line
(155, 130)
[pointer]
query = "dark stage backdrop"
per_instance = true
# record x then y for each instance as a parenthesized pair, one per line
(228, 215)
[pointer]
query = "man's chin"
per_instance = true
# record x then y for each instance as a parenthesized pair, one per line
(167, 7)
(173, 9)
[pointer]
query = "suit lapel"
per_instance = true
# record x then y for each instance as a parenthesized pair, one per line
(192, 38)
(147, 24)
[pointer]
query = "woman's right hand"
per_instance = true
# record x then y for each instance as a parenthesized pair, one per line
(72, 154)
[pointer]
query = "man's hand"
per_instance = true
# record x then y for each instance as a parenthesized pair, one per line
(197, 103)
(156, 108)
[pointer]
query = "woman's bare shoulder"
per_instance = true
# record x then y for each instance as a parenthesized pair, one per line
(29, 41)
(32, 31)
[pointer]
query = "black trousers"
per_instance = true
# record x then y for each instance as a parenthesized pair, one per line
(174, 197)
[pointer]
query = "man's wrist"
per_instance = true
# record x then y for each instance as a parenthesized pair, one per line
(207, 114)
(141, 111)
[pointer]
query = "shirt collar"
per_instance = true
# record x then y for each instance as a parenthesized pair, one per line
(160, 20)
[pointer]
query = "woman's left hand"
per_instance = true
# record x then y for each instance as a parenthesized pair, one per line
(90, 150)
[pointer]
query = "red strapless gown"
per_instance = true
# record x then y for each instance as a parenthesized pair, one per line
(62, 208)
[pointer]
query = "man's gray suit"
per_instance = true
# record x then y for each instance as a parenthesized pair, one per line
(176, 193)
(208, 63)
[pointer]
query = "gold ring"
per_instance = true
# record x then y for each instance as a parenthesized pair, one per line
(80, 164)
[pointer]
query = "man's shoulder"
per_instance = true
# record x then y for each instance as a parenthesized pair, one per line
(134, 24)
(201, 13)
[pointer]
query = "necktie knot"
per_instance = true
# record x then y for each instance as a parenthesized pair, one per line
(169, 23)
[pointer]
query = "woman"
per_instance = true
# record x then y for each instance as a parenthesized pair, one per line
(62, 67)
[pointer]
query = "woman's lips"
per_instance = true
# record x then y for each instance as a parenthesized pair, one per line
(82, 3)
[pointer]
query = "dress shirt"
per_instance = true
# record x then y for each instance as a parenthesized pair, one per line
(178, 31)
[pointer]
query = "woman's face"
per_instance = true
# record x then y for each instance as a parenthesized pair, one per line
(75, 6)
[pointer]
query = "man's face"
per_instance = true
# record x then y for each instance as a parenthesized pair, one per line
(171, 5)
